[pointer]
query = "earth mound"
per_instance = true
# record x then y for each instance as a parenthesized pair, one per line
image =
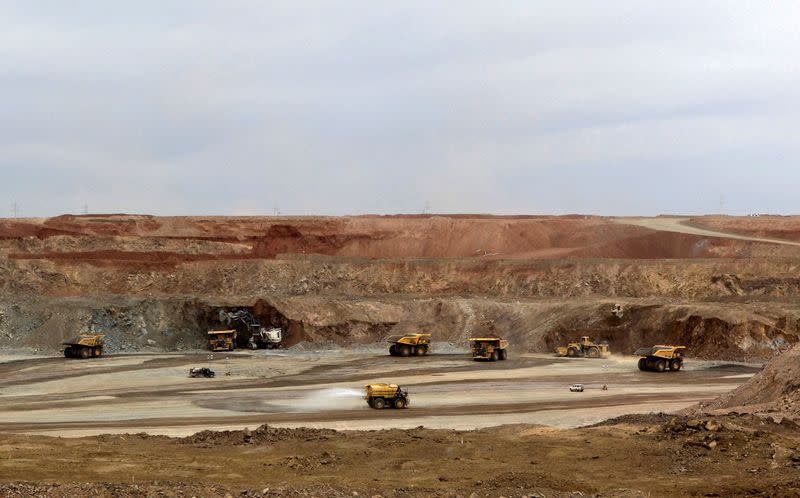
(774, 391)
(262, 435)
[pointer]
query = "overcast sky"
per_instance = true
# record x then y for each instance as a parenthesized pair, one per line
(317, 107)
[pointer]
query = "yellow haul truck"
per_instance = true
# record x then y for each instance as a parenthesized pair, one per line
(488, 348)
(84, 346)
(222, 340)
(585, 348)
(386, 395)
(661, 357)
(406, 345)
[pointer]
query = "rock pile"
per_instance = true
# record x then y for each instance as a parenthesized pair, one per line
(264, 434)
(775, 391)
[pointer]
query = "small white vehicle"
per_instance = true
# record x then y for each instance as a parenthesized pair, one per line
(576, 388)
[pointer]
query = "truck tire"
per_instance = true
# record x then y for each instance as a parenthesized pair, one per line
(378, 403)
(84, 353)
(642, 364)
(593, 353)
(253, 346)
(393, 350)
(495, 355)
(572, 353)
(661, 365)
(405, 351)
(68, 352)
(399, 403)
(419, 350)
(675, 365)
(97, 352)
(503, 354)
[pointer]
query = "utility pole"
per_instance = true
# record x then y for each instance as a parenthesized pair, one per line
(426, 208)
(85, 208)
(15, 208)
(276, 210)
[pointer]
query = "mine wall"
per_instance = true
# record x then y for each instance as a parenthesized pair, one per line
(165, 293)
(730, 331)
(696, 279)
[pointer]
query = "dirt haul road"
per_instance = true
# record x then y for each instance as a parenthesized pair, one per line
(682, 225)
(133, 393)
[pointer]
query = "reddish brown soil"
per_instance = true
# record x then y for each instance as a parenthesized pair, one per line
(374, 237)
(631, 456)
(131, 259)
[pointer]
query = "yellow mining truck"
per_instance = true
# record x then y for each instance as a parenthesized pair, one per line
(407, 345)
(222, 340)
(584, 348)
(660, 357)
(380, 396)
(84, 346)
(488, 348)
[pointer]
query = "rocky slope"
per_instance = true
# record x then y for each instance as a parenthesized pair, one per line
(159, 281)
(773, 392)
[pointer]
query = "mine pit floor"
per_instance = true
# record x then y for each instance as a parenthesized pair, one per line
(152, 393)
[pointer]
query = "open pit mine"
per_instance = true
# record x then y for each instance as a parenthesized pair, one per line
(409, 355)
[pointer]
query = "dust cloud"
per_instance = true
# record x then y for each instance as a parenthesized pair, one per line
(334, 398)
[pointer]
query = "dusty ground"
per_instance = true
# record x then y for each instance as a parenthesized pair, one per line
(462, 450)
(643, 456)
(132, 393)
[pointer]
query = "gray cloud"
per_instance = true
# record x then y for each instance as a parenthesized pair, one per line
(356, 107)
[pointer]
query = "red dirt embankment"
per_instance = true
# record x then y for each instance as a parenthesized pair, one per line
(360, 237)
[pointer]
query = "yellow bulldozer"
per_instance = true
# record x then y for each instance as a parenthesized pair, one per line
(84, 346)
(380, 396)
(488, 348)
(661, 358)
(222, 340)
(584, 348)
(407, 345)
